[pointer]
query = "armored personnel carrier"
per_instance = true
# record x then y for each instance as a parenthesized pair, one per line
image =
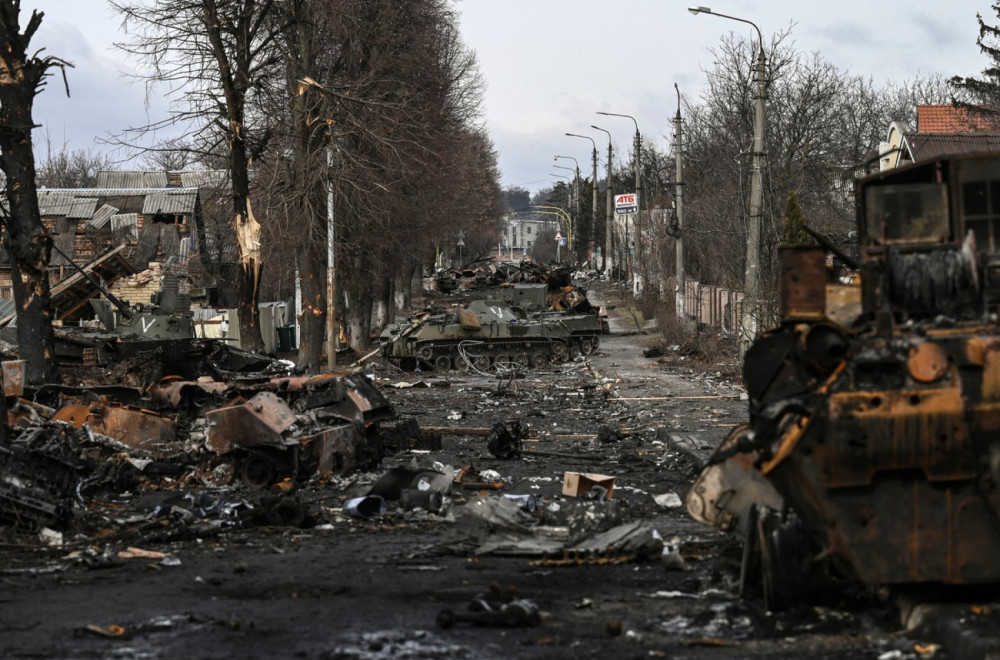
(489, 332)
(872, 450)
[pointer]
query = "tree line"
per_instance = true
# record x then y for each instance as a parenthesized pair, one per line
(823, 128)
(358, 117)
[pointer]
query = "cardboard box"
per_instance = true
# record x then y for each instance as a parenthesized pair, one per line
(578, 484)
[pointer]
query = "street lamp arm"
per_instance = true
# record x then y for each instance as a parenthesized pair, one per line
(568, 158)
(615, 114)
(706, 10)
(585, 137)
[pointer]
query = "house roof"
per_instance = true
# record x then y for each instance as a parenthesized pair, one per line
(127, 179)
(172, 201)
(951, 119)
(922, 146)
(82, 203)
(101, 216)
(205, 178)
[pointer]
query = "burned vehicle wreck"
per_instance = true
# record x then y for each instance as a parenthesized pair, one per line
(252, 430)
(872, 450)
(490, 333)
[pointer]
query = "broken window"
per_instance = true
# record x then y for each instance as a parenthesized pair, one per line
(981, 209)
(913, 213)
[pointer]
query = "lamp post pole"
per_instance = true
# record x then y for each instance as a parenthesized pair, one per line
(639, 198)
(589, 246)
(608, 235)
(576, 188)
(678, 230)
(751, 285)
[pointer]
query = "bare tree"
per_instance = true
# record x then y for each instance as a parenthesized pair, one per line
(29, 243)
(62, 168)
(215, 57)
(822, 123)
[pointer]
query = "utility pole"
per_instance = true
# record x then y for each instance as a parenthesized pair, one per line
(638, 208)
(678, 230)
(751, 280)
(589, 247)
(332, 327)
(609, 218)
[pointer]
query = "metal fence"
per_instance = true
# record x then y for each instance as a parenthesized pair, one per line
(721, 308)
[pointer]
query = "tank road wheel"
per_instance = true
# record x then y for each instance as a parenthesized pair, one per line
(503, 360)
(257, 471)
(586, 345)
(522, 360)
(539, 360)
(574, 351)
(442, 363)
(475, 362)
(426, 353)
(558, 351)
(595, 341)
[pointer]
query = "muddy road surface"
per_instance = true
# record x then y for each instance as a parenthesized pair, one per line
(620, 572)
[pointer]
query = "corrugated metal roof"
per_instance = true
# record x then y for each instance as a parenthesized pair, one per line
(172, 201)
(82, 209)
(927, 145)
(131, 179)
(114, 192)
(205, 178)
(55, 202)
(101, 216)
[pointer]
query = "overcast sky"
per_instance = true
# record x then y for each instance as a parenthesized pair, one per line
(550, 65)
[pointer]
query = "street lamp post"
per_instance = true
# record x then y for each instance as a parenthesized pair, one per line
(590, 239)
(608, 236)
(678, 229)
(562, 215)
(751, 285)
(576, 186)
(639, 196)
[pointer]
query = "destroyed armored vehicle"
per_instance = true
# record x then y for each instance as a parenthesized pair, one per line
(872, 451)
(565, 302)
(486, 333)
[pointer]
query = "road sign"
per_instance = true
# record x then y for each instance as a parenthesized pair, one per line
(626, 203)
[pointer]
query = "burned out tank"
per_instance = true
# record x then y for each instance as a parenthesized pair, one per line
(872, 450)
(486, 333)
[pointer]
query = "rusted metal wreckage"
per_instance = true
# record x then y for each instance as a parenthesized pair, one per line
(873, 445)
(253, 429)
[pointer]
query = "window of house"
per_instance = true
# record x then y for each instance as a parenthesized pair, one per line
(981, 208)
(911, 213)
(529, 233)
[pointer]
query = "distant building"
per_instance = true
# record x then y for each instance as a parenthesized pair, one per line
(941, 130)
(519, 233)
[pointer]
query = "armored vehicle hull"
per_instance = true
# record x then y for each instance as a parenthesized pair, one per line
(489, 333)
(872, 450)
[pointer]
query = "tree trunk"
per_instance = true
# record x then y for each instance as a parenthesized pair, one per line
(359, 318)
(27, 240)
(385, 307)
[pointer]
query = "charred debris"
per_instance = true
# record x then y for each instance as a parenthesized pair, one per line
(217, 432)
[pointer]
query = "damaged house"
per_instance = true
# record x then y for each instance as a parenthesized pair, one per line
(136, 233)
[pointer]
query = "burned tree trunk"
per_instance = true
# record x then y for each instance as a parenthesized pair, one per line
(26, 238)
